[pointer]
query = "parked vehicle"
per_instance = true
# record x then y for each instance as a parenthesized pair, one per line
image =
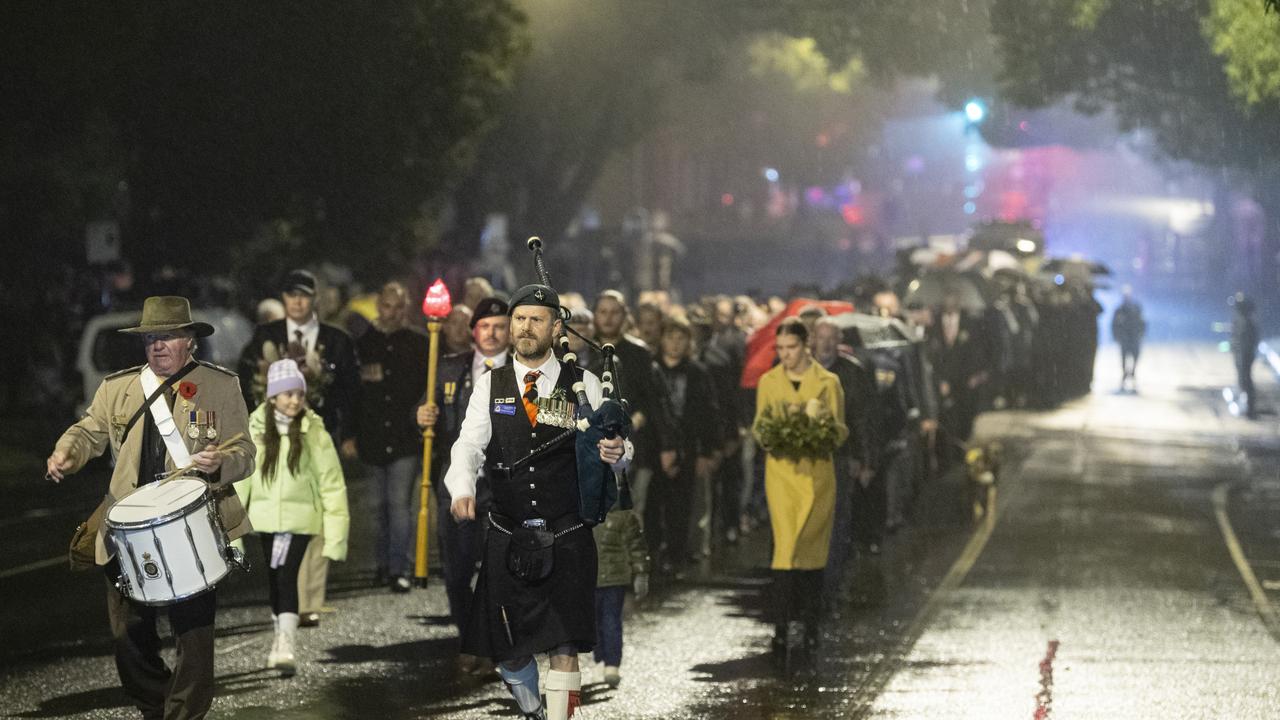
(104, 350)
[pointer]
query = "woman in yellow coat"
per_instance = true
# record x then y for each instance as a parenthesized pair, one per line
(801, 491)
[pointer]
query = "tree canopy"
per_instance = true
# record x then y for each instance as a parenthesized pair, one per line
(604, 73)
(1155, 63)
(326, 128)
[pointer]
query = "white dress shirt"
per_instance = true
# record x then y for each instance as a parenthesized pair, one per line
(478, 365)
(467, 457)
(310, 331)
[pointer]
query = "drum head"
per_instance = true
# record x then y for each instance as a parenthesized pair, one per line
(157, 500)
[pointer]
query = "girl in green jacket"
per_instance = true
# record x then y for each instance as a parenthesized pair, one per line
(297, 491)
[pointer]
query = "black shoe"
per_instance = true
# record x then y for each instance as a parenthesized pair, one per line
(778, 644)
(401, 584)
(311, 619)
(812, 638)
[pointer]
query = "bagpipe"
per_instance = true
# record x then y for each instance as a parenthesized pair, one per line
(599, 487)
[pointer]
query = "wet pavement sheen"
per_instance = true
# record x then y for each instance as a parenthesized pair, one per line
(1104, 588)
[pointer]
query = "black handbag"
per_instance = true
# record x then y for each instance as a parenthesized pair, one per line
(531, 553)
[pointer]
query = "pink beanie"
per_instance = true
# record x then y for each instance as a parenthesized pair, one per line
(284, 375)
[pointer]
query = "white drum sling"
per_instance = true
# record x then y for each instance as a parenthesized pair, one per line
(169, 542)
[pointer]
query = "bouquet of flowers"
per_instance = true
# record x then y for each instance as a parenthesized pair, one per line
(319, 375)
(798, 432)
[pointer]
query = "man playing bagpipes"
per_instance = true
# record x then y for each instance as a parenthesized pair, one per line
(552, 477)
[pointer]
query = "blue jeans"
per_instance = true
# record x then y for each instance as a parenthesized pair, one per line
(392, 486)
(609, 624)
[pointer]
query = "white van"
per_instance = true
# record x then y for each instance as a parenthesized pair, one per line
(104, 349)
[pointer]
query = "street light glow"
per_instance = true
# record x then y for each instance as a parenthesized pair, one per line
(975, 111)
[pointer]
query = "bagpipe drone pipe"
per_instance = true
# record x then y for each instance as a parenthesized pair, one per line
(599, 487)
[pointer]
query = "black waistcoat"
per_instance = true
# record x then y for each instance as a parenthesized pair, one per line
(546, 487)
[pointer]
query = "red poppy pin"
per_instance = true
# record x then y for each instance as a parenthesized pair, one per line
(187, 389)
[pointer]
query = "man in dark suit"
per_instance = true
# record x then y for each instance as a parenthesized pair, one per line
(324, 352)
(683, 498)
(460, 542)
(393, 375)
(1128, 328)
(640, 383)
(327, 358)
(959, 368)
(1244, 349)
(854, 459)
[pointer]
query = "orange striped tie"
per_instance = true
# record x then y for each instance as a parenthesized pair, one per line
(531, 396)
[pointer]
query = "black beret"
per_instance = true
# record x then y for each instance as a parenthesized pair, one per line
(539, 295)
(487, 308)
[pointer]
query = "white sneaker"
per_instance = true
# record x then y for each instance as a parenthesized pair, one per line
(612, 676)
(285, 661)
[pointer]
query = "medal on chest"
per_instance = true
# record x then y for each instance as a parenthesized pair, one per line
(202, 424)
(557, 410)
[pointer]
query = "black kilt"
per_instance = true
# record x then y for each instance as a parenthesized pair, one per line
(559, 610)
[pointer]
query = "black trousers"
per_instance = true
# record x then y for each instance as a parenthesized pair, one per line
(796, 595)
(669, 514)
(841, 526)
(726, 489)
(282, 582)
(461, 544)
(1244, 378)
(870, 504)
(186, 691)
(1129, 359)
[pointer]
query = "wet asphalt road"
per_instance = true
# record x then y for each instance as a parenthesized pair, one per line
(1129, 572)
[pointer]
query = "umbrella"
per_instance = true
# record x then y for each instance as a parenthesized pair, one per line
(1069, 266)
(1017, 237)
(760, 352)
(875, 332)
(931, 289)
(1001, 260)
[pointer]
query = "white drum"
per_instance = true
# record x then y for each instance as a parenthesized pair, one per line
(169, 541)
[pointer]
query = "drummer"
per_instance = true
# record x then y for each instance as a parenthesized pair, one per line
(197, 411)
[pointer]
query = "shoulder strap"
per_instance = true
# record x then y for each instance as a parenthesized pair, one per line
(168, 383)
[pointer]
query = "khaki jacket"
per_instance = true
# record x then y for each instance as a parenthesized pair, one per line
(119, 397)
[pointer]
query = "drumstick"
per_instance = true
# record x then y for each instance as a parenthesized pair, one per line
(222, 448)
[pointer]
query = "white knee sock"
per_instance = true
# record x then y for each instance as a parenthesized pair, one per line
(562, 691)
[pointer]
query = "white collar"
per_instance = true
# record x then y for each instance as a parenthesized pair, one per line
(308, 327)
(549, 369)
(477, 361)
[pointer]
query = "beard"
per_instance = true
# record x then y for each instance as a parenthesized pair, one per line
(532, 347)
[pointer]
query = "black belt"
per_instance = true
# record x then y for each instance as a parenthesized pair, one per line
(562, 525)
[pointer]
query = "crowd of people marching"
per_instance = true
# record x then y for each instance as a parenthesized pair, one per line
(819, 418)
(697, 481)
